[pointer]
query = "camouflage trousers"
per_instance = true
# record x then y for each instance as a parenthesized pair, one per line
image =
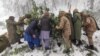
(90, 39)
(67, 41)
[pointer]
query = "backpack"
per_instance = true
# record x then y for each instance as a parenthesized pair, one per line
(96, 24)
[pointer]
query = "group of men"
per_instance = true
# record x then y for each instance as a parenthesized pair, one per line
(37, 32)
(72, 26)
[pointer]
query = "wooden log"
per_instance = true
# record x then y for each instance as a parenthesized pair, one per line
(4, 43)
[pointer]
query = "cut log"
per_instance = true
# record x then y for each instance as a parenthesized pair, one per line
(4, 43)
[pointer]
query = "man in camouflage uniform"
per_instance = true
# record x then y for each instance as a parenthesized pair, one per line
(90, 27)
(65, 26)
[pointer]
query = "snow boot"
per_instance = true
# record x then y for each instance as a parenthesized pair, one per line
(47, 48)
(79, 43)
(66, 51)
(74, 41)
(19, 42)
(59, 44)
(92, 48)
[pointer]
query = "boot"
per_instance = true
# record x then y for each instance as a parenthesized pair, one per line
(93, 48)
(19, 42)
(90, 47)
(47, 48)
(74, 41)
(59, 44)
(79, 43)
(32, 48)
(66, 51)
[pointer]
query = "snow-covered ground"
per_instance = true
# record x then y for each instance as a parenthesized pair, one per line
(23, 49)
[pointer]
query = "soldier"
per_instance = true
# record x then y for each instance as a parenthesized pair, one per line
(77, 23)
(89, 25)
(20, 26)
(65, 26)
(11, 27)
(69, 16)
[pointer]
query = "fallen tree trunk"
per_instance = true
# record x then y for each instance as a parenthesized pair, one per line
(4, 43)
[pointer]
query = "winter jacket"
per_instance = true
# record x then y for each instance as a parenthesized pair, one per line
(31, 28)
(69, 16)
(65, 25)
(11, 28)
(77, 22)
(66, 31)
(45, 23)
(90, 25)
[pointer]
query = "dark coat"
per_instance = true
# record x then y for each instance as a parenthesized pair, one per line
(12, 31)
(77, 22)
(45, 23)
(31, 28)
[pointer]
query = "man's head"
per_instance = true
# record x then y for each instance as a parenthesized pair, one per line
(75, 11)
(46, 13)
(61, 13)
(28, 16)
(21, 18)
(11, 17)
(85, 13)
(47, 9)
